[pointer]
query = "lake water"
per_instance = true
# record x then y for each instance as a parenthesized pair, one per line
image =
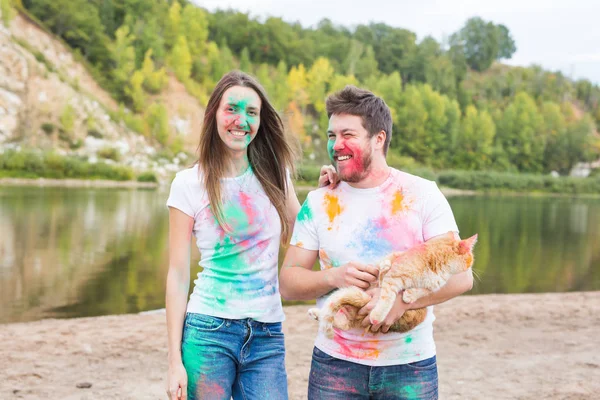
(68, 252)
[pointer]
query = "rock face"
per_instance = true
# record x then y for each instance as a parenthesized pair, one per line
(49, 101)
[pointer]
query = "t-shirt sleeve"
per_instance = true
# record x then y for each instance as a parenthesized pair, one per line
(305, 229)
(437, 214)
(180, 196)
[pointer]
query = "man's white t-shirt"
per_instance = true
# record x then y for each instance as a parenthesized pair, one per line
(239, 277)
(364, 225)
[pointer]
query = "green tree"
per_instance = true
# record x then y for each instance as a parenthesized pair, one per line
(135, 91)
(181, 59)
(157, 119)
(77, 22)
(245, 63)
(154, 81)
(366, 65)
(7, 12)
(483, 42)
(280, 89)
(194, 24)
(298, 85)
(520, 132)
(317, 80)
(173, 25)
(475, 141)
(123, 57)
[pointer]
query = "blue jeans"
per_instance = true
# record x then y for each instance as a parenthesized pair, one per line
(240, 358)
(335, 379)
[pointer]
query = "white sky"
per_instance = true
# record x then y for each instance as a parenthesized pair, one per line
(559, 35)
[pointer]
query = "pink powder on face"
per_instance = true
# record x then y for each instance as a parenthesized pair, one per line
(354, 167)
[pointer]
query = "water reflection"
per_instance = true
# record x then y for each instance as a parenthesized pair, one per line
(80, 252)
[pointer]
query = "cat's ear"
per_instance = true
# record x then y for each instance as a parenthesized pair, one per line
(466, 246)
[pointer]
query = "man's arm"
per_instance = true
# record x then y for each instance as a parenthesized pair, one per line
(297, 280)
(456, 285)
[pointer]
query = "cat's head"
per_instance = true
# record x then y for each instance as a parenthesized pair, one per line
(463, 259)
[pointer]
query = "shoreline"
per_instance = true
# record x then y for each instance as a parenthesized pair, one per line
(75, 183)
(495, 346)
(302, 186)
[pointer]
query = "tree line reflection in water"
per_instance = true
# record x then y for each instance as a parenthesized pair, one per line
(84, 252)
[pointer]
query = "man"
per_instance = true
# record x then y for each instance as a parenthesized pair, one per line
(375, 210)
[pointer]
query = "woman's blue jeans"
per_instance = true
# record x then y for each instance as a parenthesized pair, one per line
(225, 358)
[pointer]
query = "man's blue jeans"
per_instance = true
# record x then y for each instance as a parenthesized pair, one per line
(335, 379)
(240, 358)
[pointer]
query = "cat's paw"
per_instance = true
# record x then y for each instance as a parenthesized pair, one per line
(314, 313)
(384, 266)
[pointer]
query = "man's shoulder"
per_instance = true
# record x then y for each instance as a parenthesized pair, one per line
(321, 193)
(412, 182)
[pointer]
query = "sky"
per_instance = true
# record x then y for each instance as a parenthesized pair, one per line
(558, 35)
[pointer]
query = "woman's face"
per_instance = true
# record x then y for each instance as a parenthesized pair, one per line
(238, 117)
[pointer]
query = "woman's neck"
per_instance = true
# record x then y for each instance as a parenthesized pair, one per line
(239, 163)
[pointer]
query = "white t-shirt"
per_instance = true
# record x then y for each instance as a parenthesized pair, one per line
(239, 277)
(364, 225)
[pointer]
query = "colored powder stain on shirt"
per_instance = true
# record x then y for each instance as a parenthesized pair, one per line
(362, 350)
(305, 213)
(326, 261)
(333, 207)
(397, 202)
(247, 209)
(372, 241)
(408, 340)
(236, 217)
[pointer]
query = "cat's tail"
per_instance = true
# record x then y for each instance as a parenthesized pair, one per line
(350, 296)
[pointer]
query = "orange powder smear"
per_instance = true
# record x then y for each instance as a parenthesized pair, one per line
(332, 207)
(397, 204)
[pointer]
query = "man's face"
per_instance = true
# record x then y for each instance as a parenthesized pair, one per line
(349, 147)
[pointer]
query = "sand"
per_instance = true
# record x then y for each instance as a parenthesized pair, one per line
(533, 346)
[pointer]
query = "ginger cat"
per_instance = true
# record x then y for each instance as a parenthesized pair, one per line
(418, 271)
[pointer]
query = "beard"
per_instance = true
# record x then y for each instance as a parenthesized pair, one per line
(356, 171)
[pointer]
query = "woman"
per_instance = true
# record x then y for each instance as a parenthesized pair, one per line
(239, 203)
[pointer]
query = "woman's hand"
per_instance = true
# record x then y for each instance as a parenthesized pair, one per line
(177, 382)
(328, 177)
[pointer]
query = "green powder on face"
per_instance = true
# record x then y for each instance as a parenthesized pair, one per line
(330, 151)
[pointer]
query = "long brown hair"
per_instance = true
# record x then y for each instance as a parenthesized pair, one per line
(269, 154)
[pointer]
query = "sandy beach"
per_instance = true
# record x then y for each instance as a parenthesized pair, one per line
(532, 346)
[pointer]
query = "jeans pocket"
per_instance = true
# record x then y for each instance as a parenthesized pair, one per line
(423, 365)
(203, 322)
(321, 356)
(274, 329)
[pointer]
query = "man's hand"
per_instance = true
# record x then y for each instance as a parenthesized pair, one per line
(394, 315)
(328, 177)
(354, 274)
